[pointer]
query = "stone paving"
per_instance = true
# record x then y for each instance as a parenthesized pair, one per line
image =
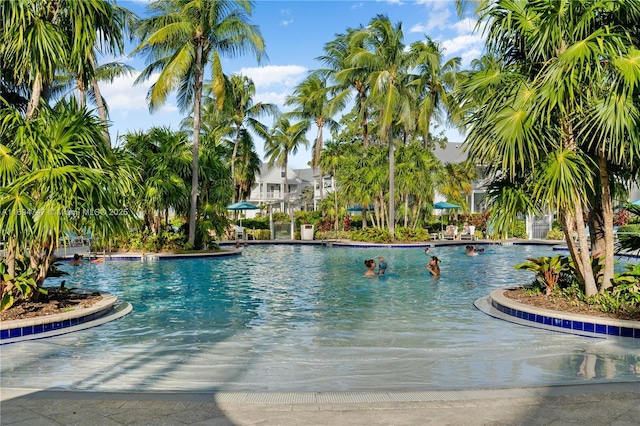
(596, 404)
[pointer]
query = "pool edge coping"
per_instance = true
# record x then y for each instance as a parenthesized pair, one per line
(584, 325)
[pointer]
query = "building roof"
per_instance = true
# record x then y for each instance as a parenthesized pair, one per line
(452, 153)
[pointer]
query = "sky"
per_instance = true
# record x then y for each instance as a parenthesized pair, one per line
(295, 33)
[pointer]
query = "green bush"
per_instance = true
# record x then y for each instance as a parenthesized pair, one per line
(333, 235)
(262, 234)
(408, 234)
(374, 235)
(519, 230)
(555, 234)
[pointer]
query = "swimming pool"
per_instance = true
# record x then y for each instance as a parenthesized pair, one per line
(297, 318)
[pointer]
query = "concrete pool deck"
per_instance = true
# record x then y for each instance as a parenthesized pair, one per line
(592, 404)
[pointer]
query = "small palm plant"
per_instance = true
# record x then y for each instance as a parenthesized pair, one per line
(548, 270)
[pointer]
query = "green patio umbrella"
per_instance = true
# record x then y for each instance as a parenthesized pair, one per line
(242, 205)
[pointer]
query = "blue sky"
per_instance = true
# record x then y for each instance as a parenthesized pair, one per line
(295, 32)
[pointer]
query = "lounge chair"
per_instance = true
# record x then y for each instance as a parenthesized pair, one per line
(450, 233)
(469, 234)
(240, 234)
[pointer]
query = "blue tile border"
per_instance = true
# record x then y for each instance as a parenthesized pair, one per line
(578, 324)
(35, 328)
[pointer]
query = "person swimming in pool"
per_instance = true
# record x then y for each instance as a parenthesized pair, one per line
(77, 260)
(371, 267)
(433, 266)
(382, 265)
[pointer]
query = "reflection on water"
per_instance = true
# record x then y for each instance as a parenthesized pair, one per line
(300, 318)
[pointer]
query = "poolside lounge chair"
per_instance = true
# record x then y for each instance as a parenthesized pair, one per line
(450, 233)
(469, 234)
(240, 234)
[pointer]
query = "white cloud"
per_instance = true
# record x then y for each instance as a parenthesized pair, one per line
(418, 28)
(281, 75)
(357, 6)
(469, 55)
(276, 98)
(466, 26)
(462, 43)
(122, 95)
(286, 23)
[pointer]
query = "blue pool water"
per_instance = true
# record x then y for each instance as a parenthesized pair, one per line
(304, 318)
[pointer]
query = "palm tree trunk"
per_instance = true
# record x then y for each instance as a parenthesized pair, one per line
(317, 152)
(392, 184)
(197, 92)
(596, 227)
(288, 198)
(34, 100)
(580, 254)
(607, 213)
(82, 96)
(102, 109)
(233, 162)
(335, 202)
(406, 210)
(10, 253)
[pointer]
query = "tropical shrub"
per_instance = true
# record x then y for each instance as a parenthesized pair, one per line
(333, 235)
(375, 235)
(555, 234)
(256, 223)
(262, 234)
(21, 286)
(548, 270)
(346, 223)
(629, 237)
(621, 218)
(519, 230)
(626, 289)
(409, 234)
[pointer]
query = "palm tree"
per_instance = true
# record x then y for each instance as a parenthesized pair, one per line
(248, 166)
(436, 81)
(284, 140)
(52, 36)
(348, 74)
(559, 108)
(332, 157)
(311, 102)
(164, 158)
(180, 40)
(57, 176)
(383, 55)
(243, 114)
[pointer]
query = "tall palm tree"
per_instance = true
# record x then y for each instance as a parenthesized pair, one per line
(248, 166)
(180, 40)
(285, 138)
(383, 55)
(348, 74)
(332, 157)
(436, 80)
(243, 115)
(311, 102)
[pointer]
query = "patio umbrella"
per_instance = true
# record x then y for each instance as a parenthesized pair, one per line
(443, 205)
(358, 208)
(242, 205)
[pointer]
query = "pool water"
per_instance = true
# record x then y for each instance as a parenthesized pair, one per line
(296, 318)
